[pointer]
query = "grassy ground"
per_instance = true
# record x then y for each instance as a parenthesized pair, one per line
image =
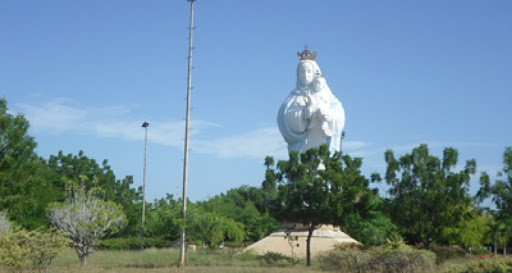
(165, 260)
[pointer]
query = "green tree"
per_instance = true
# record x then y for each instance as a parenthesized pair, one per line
(469, 232)
(245, 205)
(25, 190)
(316, 188)
(72, 171)
(212, 228)
(85, 219)
(426, 194)
(163, 218)
(501, 196)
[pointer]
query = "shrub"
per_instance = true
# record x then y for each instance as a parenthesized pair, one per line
(379, 259)
(444, 253)
(487, 264)
(274, 259)
(345, 261)
(347, 246)
(133, 243)
(31, 250)
(481, 251)
(404, 260)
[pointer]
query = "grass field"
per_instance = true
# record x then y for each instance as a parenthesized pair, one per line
(165, 260)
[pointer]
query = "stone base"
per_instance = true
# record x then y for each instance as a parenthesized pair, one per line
(291, 240)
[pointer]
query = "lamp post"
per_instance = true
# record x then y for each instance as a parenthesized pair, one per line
(145, 126)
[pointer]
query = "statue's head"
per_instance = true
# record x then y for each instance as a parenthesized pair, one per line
(307, 68)
(305, 74)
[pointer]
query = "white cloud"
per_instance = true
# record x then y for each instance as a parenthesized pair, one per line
(256, 144)
(64, 116)
(55, 116)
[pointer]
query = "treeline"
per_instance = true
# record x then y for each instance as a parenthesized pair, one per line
(428, 201)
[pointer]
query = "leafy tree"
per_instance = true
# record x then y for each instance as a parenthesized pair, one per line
(25, 190)
(469, 232)
(427, 195)
(501, 191)
(245, 205)
(163, 218)
(85, 219)
(316, 188)
(212, 228)
(501, 195)
(72, 171)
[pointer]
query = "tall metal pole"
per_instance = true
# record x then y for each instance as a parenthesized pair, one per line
(145, 125)
(183, 250)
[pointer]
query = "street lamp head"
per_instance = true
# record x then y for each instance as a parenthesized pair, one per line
(145, 124)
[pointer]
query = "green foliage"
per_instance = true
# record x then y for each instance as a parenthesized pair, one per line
(427, 195)
(25, 189)
(345, 261)
(500, 229)
(378, 260)
(316, 188)
(133, 243)
(491, 264)
(71, 172)
(480, 251)
(245, 205)
(276, 259)
(501, 191)
(212, 228)
(469, 232)
(163, 218)
(30, 250)
(444, 253)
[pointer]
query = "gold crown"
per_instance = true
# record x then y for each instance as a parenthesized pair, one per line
(306, 54)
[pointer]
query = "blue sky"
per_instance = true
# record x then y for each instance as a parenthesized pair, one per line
(86, 74)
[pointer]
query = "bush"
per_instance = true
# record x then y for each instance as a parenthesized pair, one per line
(378, 259)
(276, 259)
(404, 260)
(133, 243)
(444, 253)
(347, 246)
(481, 251)
(31, 250)
(487, 264)
(345, 261)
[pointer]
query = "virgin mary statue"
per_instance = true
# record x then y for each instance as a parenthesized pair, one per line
(311, 115)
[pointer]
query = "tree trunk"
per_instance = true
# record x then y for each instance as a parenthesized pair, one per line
(504, 249)
(495, 247)
(308, 246)
(83, 261)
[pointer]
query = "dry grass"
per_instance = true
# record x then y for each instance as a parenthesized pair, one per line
(165, 260)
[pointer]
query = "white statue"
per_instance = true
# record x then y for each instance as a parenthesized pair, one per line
(311, 115)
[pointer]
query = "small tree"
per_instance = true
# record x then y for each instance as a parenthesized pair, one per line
(317, 188)
(85, 219)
